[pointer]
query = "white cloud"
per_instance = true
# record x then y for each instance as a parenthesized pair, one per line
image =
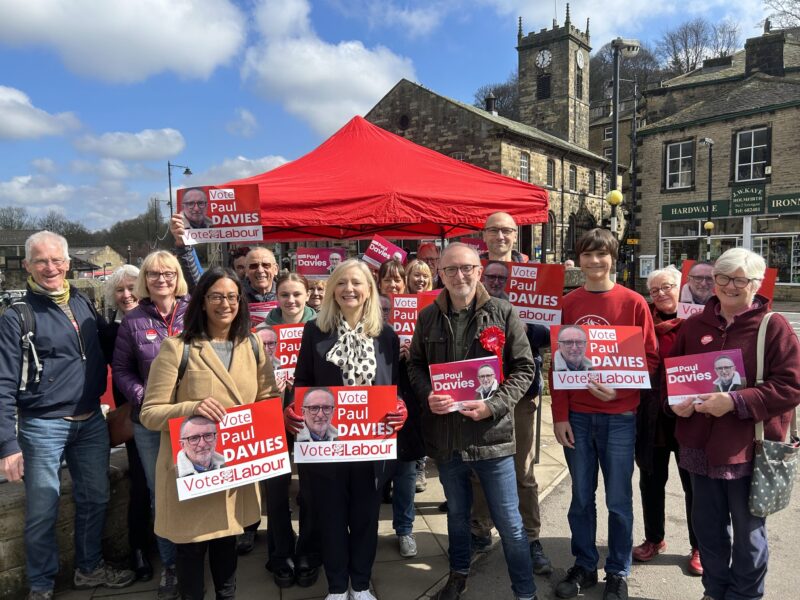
(414, 18)
(232, 168)
(27, 190)
(244, 124)
(128, 41)
(21, 120)
(322, 83)
(148, 144)
(45, 166)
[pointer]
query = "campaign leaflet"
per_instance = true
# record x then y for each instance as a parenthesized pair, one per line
(220, 214)
(466, 380)
(260, 310)
(612, 356)
(403, 313)
(693, 374)
(687, 309)
(344, 424)
(536, 290)
(318, 263)
(475, 243)
(248, 445)
(287, 350)
(380, 250)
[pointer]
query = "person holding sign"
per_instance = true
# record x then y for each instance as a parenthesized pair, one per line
(597, 425)
(716, 430)
(655, 430)
(348, 344)
(221, 372)
(466, 322)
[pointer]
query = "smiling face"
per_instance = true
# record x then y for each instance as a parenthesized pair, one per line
(292, 298)
(419, 281)
(486, 377)
(500, 235)
(194, 207)
(124, 299)
(261, 269)
(460, 286)
(701, 283)
(198, 439)
(392, 284)
(494, 279)
(161, 281)
(725, 370)
(596, 265)
(734, 300)
(270, 340)
(429, 254)
(318, 408)
(48, 265)
(352, 292)
(316, 291)
(334, 260)
(221, 304)
(572, 345)
(665, 301)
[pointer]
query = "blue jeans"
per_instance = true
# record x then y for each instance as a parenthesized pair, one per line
(499, 483)
(604, 441)
(733, 543)
(85, 446)
(403, 490)
(148, 442)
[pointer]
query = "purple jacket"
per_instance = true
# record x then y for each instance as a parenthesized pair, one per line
(138, 341)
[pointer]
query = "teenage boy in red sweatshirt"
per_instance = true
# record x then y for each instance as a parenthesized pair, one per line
(597, 426)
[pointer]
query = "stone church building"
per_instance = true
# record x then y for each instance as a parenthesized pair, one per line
(548, 147)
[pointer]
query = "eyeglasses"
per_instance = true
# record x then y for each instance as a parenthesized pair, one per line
(738, 282)
(206, 437)
(156, 275)
(314, 409)
(724, 367)
(664, 289)
(43, 262)
(194, 204)
(498, 278)
(465, 269)
(270, 344)
(486, 376)
(572, 343)
(217, 298)
(701, 278)
(267, 266)
(506, 231)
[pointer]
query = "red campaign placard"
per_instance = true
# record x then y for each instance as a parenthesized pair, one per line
(288, 348)
(612, 356)
(248, 445)
(535, 290)
(220, 214)
(404, 311)
(686, 308)
(705, 373)
(476, 244)
(380, 250)
(260, 310)
(318, 263)
(345, 423)
(466, 380)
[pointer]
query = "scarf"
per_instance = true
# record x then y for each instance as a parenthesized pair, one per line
(354, 354)
(60, 297)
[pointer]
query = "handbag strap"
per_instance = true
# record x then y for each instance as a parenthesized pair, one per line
(760, 343)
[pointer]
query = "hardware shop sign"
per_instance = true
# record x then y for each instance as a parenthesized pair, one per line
(694, 210)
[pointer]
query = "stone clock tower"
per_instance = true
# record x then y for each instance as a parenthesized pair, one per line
(554, 81)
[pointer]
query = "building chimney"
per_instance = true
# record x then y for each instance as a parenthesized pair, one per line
(490, 104)
(764, 54)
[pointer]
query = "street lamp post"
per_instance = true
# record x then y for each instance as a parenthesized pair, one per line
(186, 171)
(627, 48)
(709, 224)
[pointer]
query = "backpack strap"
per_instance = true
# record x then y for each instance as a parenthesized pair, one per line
(182, 365)
(255, 342)
(27, 332)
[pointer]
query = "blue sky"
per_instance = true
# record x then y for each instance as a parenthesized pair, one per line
(97, 95)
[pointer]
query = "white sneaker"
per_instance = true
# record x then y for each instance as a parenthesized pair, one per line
(343, 596)
(362, 595)
(408, 545)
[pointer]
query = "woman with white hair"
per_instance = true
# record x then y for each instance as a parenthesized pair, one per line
(655, 430)
(716, 431)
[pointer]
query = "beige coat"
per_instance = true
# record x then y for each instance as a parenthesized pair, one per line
(226, 512)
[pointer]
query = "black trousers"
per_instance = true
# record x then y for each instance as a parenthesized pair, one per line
(347, 503)
(652, 485)
(140, 526)
(190, 567)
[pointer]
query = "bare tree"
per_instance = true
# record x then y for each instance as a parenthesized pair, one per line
(15, 217)
(643, 68)
(784, 13)
(506, 96)
(682, 49)
(724, 38)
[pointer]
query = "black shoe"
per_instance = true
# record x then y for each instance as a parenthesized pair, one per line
(577, 579)
(480, 543)
(141, 566)
(283, 574)
(246, 542)
(616, 588)
(541, 564)
(304, 574)
(455, 586)
(443, 507)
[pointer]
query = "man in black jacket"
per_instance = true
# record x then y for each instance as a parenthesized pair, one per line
(465, 322)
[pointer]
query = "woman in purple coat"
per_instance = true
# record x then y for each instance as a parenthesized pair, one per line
(163, 300)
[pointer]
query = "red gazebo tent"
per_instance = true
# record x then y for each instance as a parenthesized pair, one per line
(364, 180)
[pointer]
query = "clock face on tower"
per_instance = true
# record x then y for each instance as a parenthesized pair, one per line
(543, 58)
(579, 59)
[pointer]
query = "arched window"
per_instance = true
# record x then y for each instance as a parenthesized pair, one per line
(573, 178)
(550, 234)
(551, 173)
(525, 167)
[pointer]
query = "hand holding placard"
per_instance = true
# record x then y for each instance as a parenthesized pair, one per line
(292, 420)
(210, 409)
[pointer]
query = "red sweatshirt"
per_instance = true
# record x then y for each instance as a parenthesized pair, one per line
(617, 306)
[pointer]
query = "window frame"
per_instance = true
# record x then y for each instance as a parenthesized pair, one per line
(573, 178)
(592, 182)
(767, 145)
(525, 169)
(551, 173)
(608, 133)
(667, 158)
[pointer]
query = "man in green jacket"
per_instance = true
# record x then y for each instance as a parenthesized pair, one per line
(466, 322)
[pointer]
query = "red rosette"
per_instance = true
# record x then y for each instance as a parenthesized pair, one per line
(493, 339)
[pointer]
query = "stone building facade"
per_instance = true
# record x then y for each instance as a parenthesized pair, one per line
(549, 148)
(748, 106)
